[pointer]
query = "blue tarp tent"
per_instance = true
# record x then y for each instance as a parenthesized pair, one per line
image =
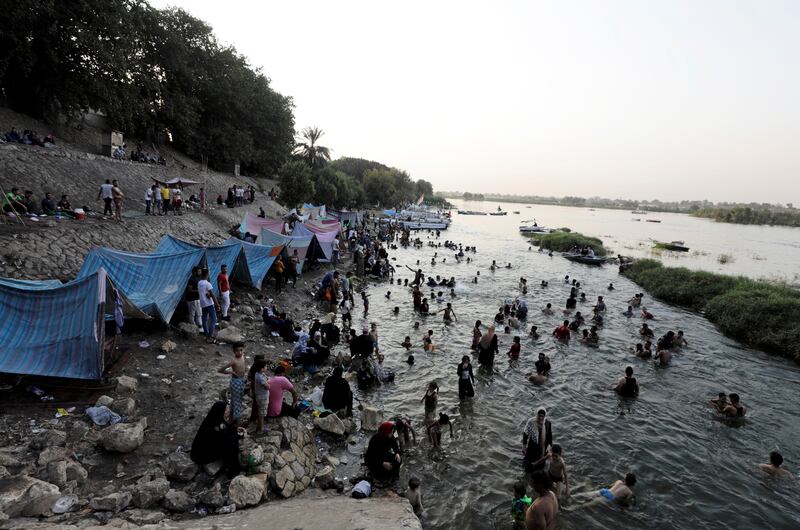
(30, 284)
(53, 332)
(215, 257)
(254, 262)
(153, 283)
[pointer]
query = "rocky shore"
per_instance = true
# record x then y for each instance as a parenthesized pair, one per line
(66, 471)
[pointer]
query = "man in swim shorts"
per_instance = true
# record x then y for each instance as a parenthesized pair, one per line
(542, 513)
(621, 491)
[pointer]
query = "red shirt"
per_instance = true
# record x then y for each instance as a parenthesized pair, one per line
(515, 351)
(561, 333)
(222, 281)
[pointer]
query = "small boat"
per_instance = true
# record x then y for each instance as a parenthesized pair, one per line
(498, 213)
(534, 229)
(515, 213)
(639, 212)
(424, 225)
(652, 220)
(677, 246)
(470, 212)
(635, 219)
(586, 260)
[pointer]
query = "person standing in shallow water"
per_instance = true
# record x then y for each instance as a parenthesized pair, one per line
(466, 379)
(537, 438)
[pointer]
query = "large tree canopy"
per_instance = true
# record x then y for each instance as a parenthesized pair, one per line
(154, 73)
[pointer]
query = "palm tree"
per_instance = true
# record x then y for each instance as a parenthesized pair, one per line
(314, 155)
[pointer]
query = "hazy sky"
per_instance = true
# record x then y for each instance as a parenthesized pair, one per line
(636, 99)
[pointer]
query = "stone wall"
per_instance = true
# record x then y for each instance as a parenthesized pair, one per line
(56, 249)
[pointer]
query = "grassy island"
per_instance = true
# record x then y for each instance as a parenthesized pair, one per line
(751, 216)
(562, 240)
(759, 314)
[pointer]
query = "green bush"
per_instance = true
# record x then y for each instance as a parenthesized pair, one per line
(562, 241)
(759, 314)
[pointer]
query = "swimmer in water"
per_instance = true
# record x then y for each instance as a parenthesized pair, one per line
(406, 343)
(396, 310)
(647, 315)
(629, 312)
(435, 429)
(774, 467)
(558, 472)
(534, 333)
(663, 357)
(734, 408)
(544, 510)
(548, 309)
(645, 331)
(626, 385)
(621, 492)
(680, 340)
(720, 402)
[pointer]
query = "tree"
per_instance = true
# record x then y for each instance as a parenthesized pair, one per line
(316, 156)
(296, 182)
(356, 166)
(379, 187)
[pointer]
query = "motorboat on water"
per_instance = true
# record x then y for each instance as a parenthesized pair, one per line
(534, 229)
(677, 246)
(470, 212)
(498, 212)
(653, 220)
(515, 213)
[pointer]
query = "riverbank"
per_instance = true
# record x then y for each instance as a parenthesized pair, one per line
(759, 314)
(751, 216)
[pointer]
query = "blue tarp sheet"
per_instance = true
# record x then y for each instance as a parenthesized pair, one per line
(56, 332)
(215, 257)
(153, 283)
(30, 285)
(256, 263)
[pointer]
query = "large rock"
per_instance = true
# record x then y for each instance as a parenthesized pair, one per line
(65, 504)
(27, 496)
(144, 517)
(212, 469)
(126, 384)
(326, 478)
(49, 438)
(246, 491)
(168, 346)
(104, 401)
(125, 407)
(53, 454)
(76, 472)
(150, 493)
(330, 423)
(179, 466)
(213, 498)
(124, 437)
(177, 501)
(114, 502)
(371, 418)
(56, 473)
(230, 334)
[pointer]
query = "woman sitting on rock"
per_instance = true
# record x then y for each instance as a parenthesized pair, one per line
(217, 439)
(337, 395)
(383, 453)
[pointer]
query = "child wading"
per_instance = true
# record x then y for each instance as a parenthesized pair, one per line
(465, 378)
(519, 505)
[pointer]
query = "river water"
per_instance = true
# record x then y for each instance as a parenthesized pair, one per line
(694, 470)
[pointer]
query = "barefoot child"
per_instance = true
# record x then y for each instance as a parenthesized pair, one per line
(558, 472)
(237, 369)
(435, 429)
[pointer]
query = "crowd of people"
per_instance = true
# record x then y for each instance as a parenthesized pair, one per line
(315, 345)
(29, 137)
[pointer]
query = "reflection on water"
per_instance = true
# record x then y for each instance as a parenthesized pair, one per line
(694, 471)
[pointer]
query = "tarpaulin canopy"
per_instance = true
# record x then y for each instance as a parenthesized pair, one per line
(31, 285)
(215, 257)
(172, 182)
(307, 246)
(325, 239)
(254, 262)
(253, 224)
(311, 211)
(55, 332)
(348, 218)
(153, 283)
